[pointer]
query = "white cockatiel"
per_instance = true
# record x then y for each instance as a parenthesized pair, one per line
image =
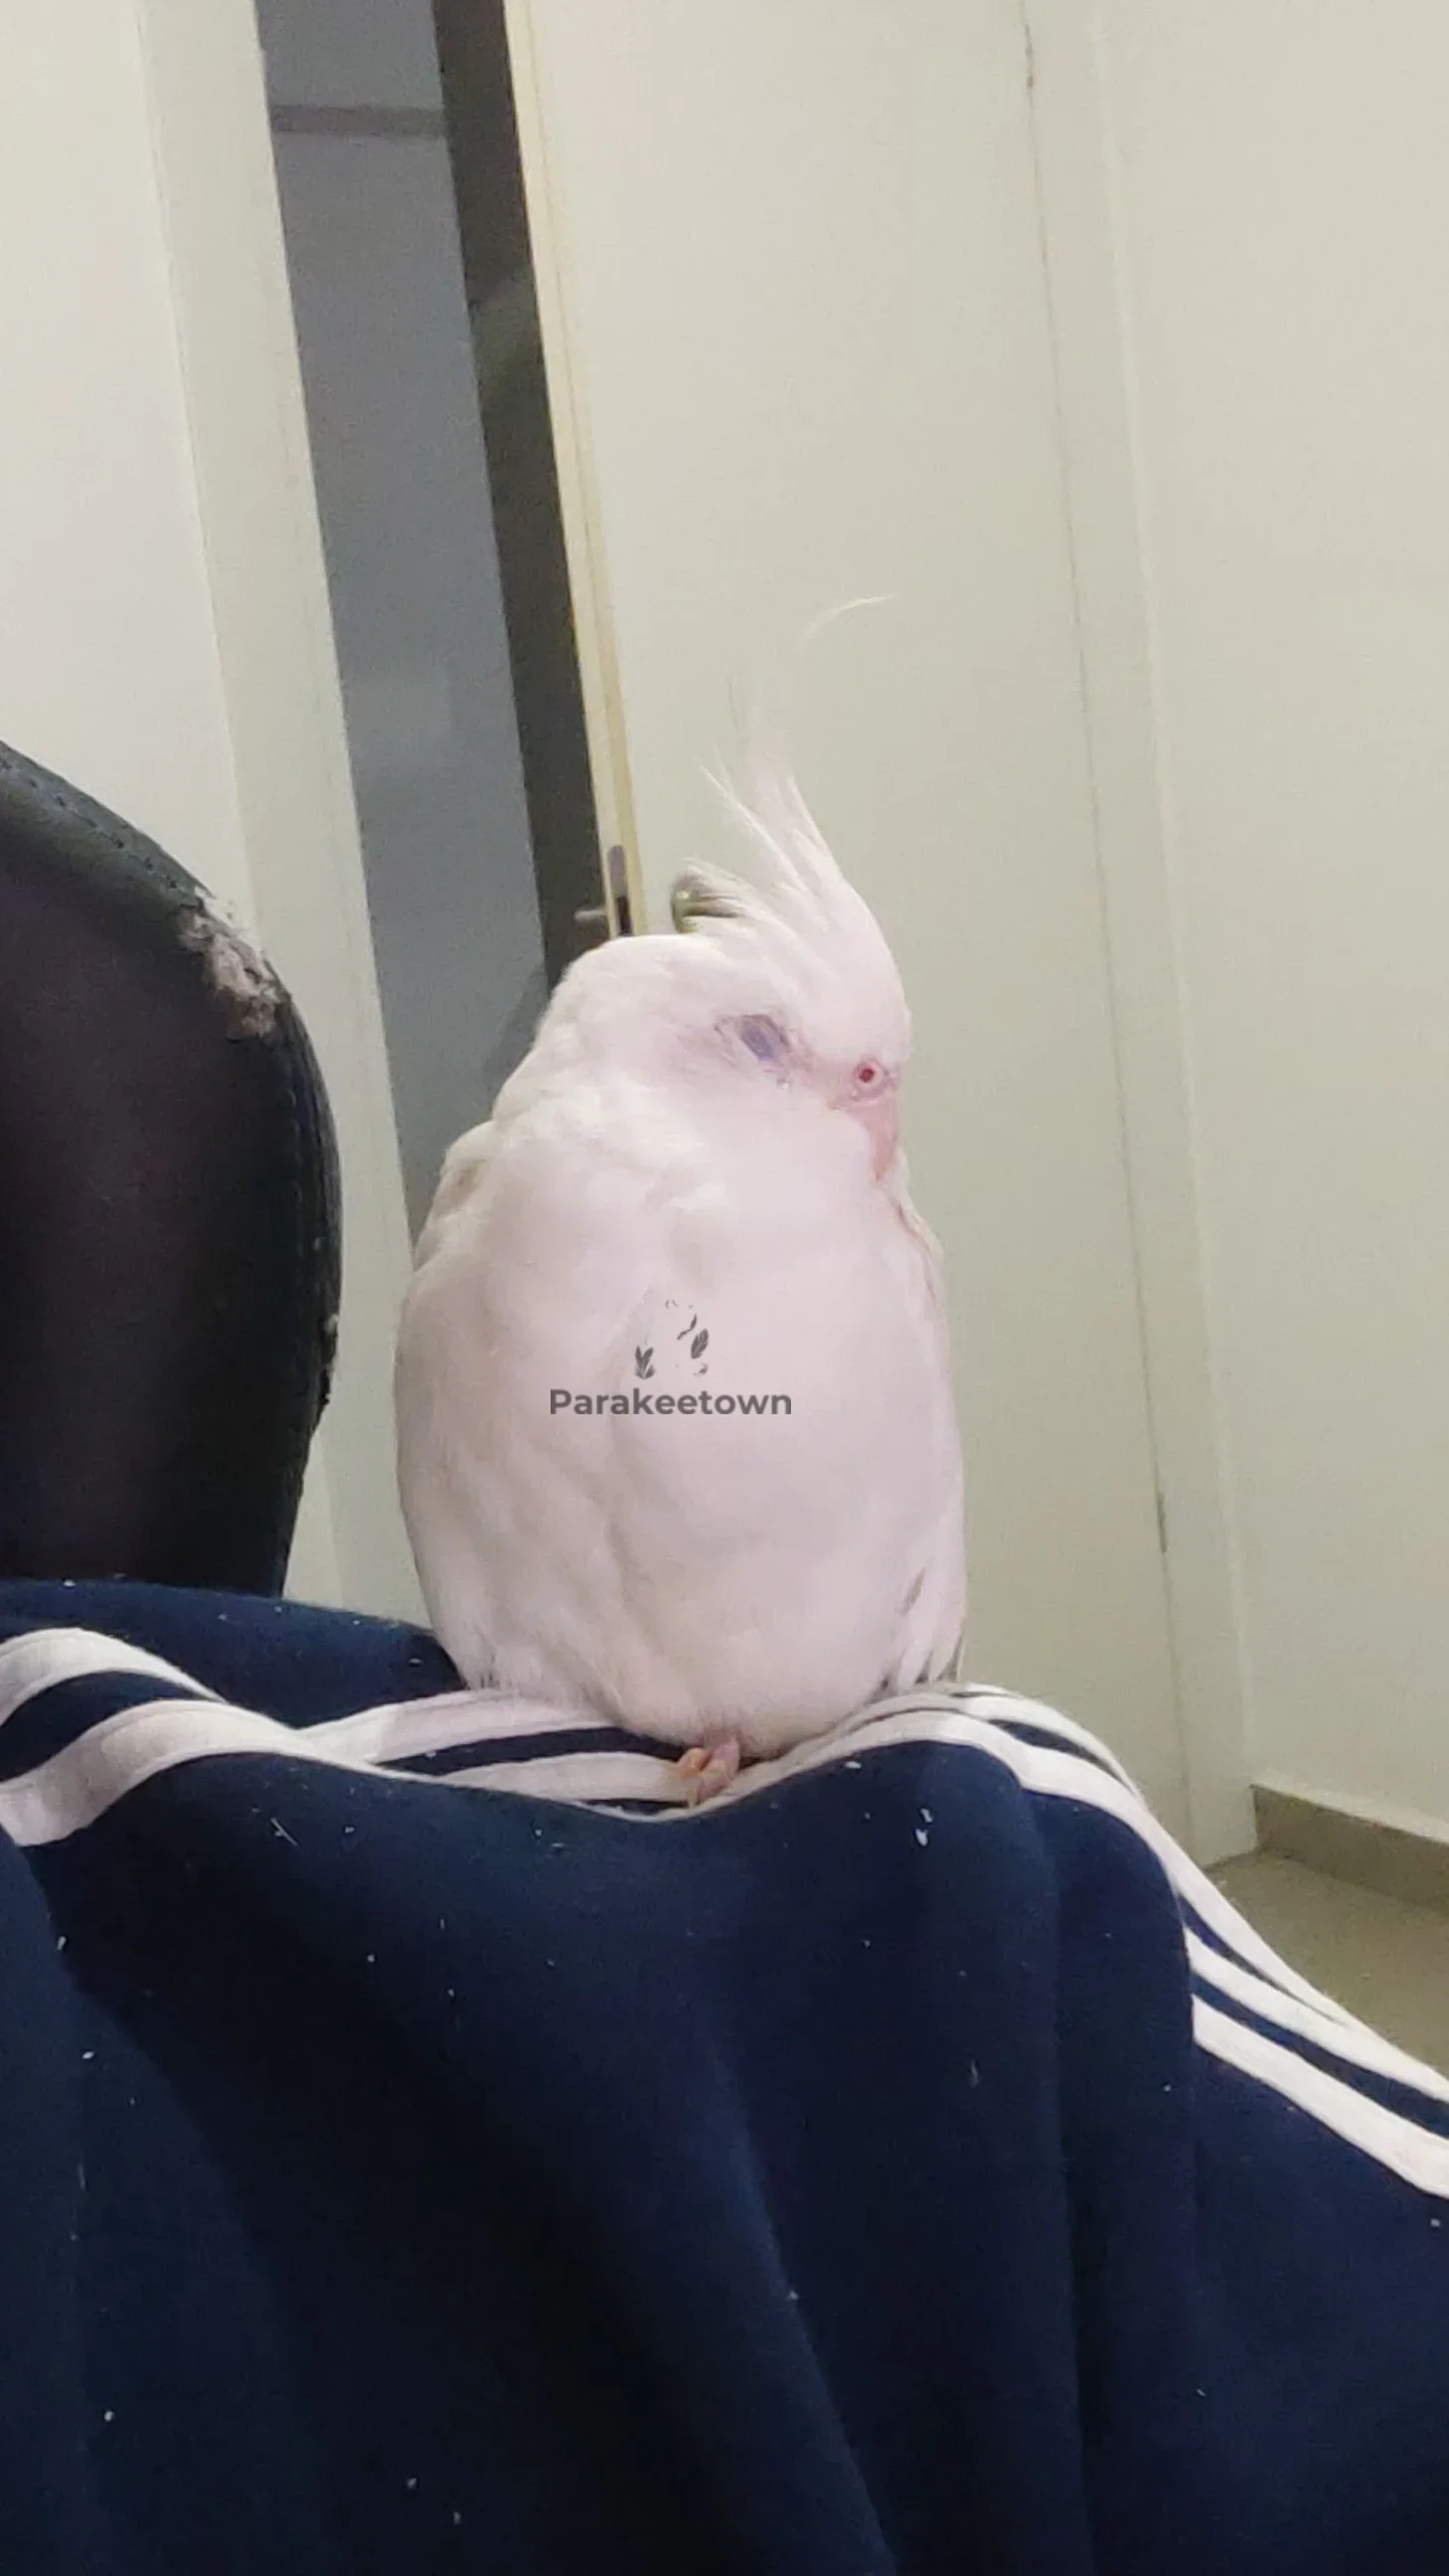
(676, 1436)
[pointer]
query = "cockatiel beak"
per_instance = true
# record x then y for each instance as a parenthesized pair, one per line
(880, 1116)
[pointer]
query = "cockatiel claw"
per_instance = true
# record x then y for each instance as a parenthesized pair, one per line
(708, 1768)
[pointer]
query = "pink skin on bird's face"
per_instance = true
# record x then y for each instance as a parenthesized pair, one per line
(880, 1116)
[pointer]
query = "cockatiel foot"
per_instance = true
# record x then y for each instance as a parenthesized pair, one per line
(707, 1768)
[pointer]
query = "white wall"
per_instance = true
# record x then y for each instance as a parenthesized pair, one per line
(1282, 207)
(810, 340)
(165, 641)
(108, 665)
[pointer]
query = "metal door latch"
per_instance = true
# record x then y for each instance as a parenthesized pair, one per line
(614, 914)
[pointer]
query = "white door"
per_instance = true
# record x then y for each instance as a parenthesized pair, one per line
(1281, 199)
(808, 348)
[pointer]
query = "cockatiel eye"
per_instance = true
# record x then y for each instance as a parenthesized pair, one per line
(869, 1075)
(766, 1039)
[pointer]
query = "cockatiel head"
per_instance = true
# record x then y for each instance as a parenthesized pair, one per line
(783, 993)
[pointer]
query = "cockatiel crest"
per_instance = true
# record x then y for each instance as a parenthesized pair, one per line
(676, 1435)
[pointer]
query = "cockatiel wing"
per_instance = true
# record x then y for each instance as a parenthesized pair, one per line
(534, 1271)
(934, 1614)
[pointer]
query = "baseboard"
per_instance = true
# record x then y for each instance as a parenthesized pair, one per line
(1392, 1859)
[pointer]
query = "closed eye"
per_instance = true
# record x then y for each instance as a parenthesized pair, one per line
(765, 1038)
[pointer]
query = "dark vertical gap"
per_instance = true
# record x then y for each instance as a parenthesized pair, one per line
(482, 129)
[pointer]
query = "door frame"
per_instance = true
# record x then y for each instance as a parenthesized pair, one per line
(575, 819)
(578, 491)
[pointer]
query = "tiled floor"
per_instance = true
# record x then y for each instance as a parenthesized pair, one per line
(1388, 1962)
